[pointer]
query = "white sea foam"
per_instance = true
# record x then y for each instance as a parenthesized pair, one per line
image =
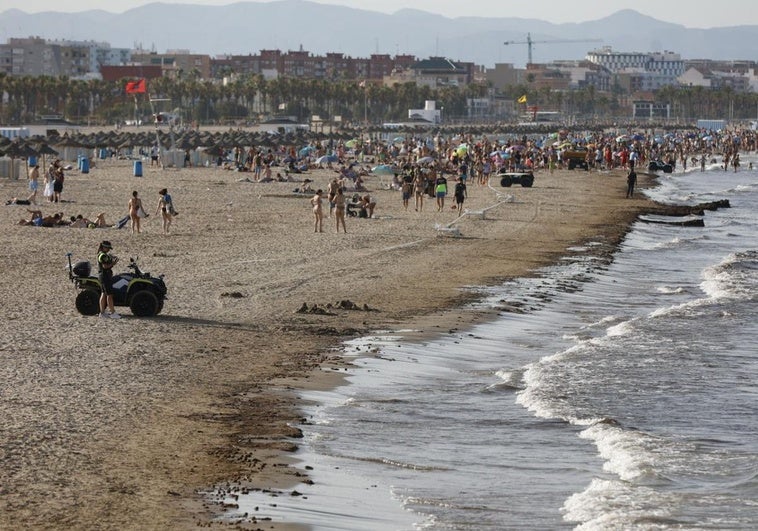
(624, 328)
(612, 504)
(668, 290)
(510, 379)
(626, 453)
(736, 277)
(679, 309)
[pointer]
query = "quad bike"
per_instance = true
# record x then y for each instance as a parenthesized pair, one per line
(142, 292)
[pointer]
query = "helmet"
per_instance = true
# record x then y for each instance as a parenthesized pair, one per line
(82, 269)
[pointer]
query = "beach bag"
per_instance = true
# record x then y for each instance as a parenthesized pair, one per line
(172, 210)
(141, 212)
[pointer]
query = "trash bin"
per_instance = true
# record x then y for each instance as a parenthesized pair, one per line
(84, 165)
(138, 168)
(32, 160)
(103, 153)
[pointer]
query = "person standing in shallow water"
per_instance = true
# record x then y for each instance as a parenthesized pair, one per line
(631, 180)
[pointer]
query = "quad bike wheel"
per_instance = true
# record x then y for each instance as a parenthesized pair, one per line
(88, 302)
(144, 304)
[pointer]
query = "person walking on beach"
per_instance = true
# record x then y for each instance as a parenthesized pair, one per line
(460, 194)
(631, 180)
(318, 212)
(406, 189)
(440, 191)
(339, 209)
(166, 208)
(33, 184)
(419, 189)
(105, 263)
(135, 212)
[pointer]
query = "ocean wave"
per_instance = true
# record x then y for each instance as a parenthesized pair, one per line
(394, 463)
(667, 290)
(629, 454)
(613, 504)
(683, 309)
(623, 328)
(736, 277)
(511, 380)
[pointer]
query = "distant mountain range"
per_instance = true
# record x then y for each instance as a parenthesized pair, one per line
(248, 27)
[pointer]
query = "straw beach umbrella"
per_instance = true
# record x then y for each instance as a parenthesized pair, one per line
(44, 149)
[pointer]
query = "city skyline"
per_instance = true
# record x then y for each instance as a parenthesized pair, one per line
(698, 14)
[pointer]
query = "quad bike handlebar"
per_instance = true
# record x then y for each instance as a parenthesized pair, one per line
(131, 265)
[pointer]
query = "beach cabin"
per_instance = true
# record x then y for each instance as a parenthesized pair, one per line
(15, 132)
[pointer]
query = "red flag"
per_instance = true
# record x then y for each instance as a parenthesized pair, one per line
(136, 87)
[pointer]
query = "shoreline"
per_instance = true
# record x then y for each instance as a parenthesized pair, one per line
(458, 315)
(150, 414)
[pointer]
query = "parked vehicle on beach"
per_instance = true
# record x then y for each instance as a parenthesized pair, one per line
(508, 179)
(575, 158)
(143, 293)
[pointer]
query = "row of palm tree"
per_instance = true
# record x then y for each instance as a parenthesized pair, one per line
(250, 98)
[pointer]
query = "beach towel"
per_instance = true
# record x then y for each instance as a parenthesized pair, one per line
(122, 222)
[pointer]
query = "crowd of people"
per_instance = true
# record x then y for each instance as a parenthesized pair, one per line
(422, 165)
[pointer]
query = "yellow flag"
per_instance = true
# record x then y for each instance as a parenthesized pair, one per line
(522, 99)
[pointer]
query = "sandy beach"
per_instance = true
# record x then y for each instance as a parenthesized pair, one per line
(125, 424)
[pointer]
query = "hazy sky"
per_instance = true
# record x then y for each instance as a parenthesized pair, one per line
(692, 14)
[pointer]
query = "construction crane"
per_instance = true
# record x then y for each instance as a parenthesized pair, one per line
(529, 43)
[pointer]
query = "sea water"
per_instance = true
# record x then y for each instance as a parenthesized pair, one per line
(608, 394)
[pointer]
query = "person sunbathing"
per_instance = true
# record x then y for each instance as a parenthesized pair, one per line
(80, 222)
(17, 201)
(38, 220)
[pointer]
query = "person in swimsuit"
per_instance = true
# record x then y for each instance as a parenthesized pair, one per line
(331, 192)
(318, 213)
(58, 178)
(339, 209)
(406, 188)
(164, 207)
(33, 184)
(135, 205)
(419, 189)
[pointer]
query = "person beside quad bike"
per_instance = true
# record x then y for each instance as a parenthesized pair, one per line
(105, 263)
(143, 293)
